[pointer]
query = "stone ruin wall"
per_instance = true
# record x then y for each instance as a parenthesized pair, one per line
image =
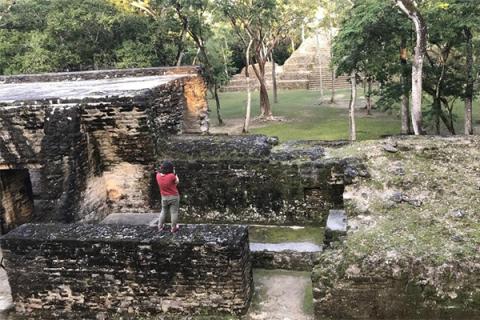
(97, 271)
(92, 156)
(252, 179)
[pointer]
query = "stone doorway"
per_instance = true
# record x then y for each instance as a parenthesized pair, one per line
(16, 199)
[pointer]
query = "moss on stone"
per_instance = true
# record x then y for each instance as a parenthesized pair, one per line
(278, 234)
(416, 218)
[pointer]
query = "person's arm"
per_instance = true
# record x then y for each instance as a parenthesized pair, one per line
(176, 179)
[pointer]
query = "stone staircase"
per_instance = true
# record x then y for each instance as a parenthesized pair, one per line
(307, 68)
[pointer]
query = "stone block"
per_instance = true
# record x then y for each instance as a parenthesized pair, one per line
(336, 227)
(298, 256)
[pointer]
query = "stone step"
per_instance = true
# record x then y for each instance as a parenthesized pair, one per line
(287, 248)
(336, 227)
(301, 75)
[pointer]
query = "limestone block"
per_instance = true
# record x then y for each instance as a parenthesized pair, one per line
(336, 227)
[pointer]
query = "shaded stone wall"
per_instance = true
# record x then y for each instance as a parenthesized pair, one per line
(16, 199)
(90, 270)
(48, 140)
(249, 180)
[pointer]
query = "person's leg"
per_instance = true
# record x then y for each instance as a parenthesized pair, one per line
(174, 213)
(161, 219)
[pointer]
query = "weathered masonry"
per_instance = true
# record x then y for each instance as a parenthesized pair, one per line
(251, 179)
(84, 145)
(79, 145)
(84, 271)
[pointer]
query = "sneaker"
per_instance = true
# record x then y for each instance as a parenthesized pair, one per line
(161, 228)
(174, 229)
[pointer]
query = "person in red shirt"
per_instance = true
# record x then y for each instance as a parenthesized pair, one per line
(167, 182)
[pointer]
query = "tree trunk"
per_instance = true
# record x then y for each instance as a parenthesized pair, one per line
(332, 98)
(217, 102)
(194, 62)
(437, 113)
(319, 63)
(265, 108)
(404, 114)
(369, 96)
(181, 47)
(405, 107)
(274, 79)
(353, 98)
(447, 121)
(225, 62)
(248, 107)
(409, 8)
(469, 86)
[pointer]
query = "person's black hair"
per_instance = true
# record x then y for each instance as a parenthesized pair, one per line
(167, 167)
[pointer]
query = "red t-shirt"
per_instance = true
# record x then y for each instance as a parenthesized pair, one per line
(167, 184)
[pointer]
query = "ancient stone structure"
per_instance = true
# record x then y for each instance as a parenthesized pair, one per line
(307, 68)
(88, 139)
(85, 271)
(91, 141)
(250, 179)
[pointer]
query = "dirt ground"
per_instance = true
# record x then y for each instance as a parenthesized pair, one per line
(280, 295)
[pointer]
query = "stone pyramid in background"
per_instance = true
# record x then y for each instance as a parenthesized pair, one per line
(307, 68)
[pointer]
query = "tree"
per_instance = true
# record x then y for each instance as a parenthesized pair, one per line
(367, 43)
(449, 72)
(194, 17)
(353, 98)
(409, 7)
(374, 31)
(467, 20)
(333, 13)
(63, 35)
(265, 22)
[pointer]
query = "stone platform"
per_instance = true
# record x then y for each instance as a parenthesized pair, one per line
(272, 247)
(91, 271)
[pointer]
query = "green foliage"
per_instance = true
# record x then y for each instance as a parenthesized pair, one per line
(370, 40)
(69, 35)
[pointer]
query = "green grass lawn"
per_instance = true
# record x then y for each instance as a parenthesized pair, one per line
(306, 119)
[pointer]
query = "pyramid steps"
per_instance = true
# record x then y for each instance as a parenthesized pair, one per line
(300, 71)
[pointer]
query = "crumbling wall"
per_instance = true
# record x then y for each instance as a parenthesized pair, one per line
(94, 151)
(91, 271)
